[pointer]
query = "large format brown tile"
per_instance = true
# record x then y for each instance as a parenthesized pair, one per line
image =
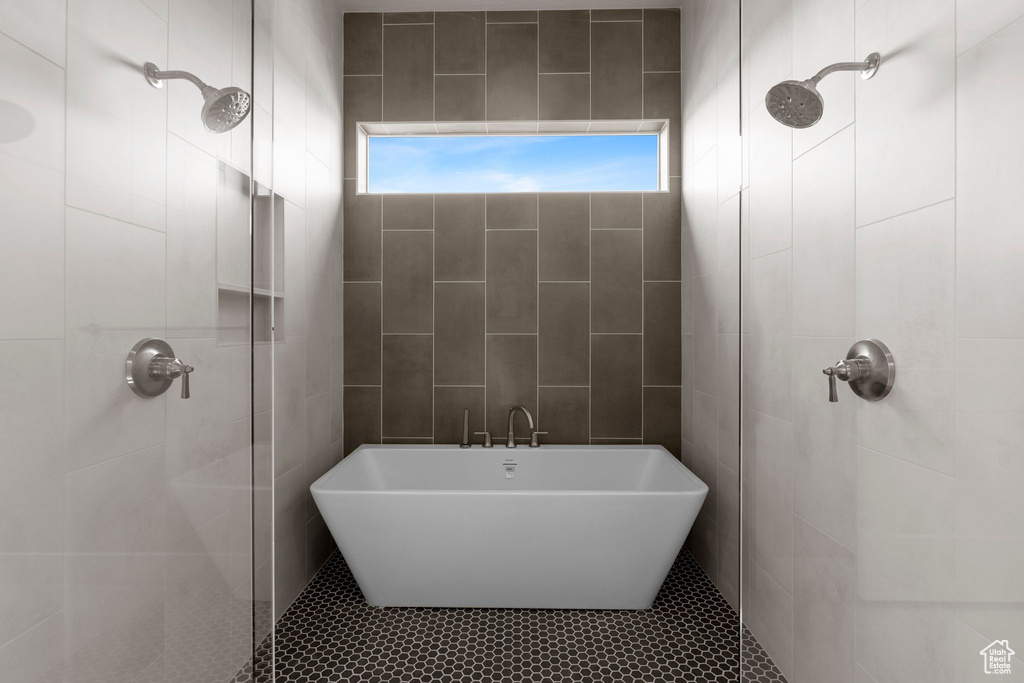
(409, 73)
(511, 72)
(564, 415)
(617, 281)
(459, 333)
(564, 97)
(449, 404)
(662, 234)
(362, 103)
(661, 101)
(564, 329)
(515, 16)
(460, 42)
(408, 282)
(362, 43)
(616, 71)
(662, 333)
(661, 40)
(616, 396)
(511, 212)
(565, 41)
(459, 98)
(362, 235)
(459, 237)
(564, 221)
(408, 17)
(662, 406)
(408, 388)
(512, 281)
(362, 332)
(616, 15)
(511, 380)
(408, 212)
(362, 416)
(616, 211)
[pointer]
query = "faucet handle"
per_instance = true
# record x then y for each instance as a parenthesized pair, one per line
(487, 438)
(833, 393)
(185, 372)
(534, 442)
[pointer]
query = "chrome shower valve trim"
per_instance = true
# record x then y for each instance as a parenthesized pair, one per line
(152, 367)
(869, 368)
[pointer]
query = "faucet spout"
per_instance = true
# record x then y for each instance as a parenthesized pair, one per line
(510, 442)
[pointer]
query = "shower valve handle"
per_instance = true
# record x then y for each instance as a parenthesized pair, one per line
(164, 367)
(152, 367)
(186, 372)
(869, 369)
(833, 393)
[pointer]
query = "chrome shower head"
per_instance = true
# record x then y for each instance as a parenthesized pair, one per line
(798, 104)
(224, 108)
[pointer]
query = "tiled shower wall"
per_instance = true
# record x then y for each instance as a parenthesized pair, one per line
(126, 540)
(569, 304)
(711, 263)
(882, 541)
(298, 55)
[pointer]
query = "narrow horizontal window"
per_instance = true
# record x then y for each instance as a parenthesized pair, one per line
(423, 161)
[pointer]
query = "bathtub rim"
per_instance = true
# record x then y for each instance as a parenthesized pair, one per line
(699, 486)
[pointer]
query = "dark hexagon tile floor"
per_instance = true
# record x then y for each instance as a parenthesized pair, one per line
(331, 634)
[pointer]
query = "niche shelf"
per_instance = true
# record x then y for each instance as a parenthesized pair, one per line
(234, 287)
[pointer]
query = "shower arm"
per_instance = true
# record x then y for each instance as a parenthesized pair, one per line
(869, 66)
(156, 77)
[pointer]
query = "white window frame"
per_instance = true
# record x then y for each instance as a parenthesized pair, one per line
(368, 129)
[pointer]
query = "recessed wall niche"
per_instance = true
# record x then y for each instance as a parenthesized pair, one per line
(233, 252)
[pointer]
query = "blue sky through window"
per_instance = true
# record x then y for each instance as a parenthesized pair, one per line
(513, 163)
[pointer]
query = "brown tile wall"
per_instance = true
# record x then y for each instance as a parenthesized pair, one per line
(567, 303)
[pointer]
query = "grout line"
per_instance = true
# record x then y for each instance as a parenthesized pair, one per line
(433, 313)
(643, 288)
(902, 213)
(486, 316)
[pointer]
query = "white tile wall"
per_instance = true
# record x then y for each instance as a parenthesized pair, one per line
(122, 126)
(32, 250)
(905, 285)
(905, 121)
(711, 280)
(822, 35)
(39, 25)
(990, 282)
(976, 20)
(823, 238)
(896, 217)
(126, 534)
(32, 126)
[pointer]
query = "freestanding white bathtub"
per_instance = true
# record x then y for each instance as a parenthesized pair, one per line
(571, 527)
